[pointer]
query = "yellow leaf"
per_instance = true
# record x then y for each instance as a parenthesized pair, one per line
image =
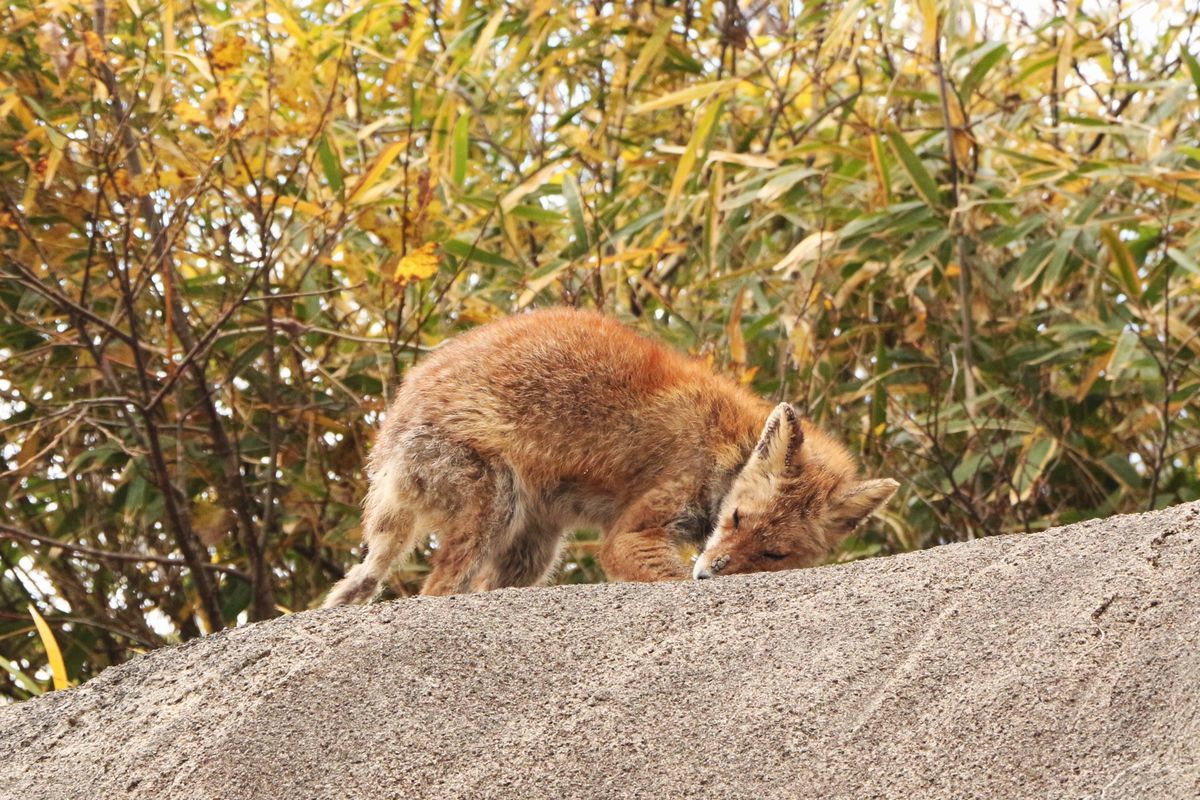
(687, 95)
(688, 160)
(52, 162)
(228, 52)
(801, 339)
(289, 22)
(640, 252)
(650, 51)
(417, 265)
(1169, 188)
(489, 33)
(1089, 378)
(95, 47)
(930, 25)
(57, 667)
(168, 28)
(123, 184)
(187, 112)
(914, 332)
(843, 25)
(733, 331)
(382, 162)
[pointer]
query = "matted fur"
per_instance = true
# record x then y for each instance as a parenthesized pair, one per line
(515, 432)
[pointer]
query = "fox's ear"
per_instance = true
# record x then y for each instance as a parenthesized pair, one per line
(780, 441)
(860, 501)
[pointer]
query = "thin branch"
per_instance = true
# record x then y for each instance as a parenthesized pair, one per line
(17, 534)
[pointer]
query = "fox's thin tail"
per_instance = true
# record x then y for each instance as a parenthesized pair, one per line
(390, 536)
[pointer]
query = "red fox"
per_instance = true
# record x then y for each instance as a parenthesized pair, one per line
(522, 429)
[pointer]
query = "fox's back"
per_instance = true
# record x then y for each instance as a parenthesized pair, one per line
(573, 388)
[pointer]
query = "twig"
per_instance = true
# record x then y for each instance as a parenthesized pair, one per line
(964, 273)
(16, 534)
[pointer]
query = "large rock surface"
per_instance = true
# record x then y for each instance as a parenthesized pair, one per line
(1060, 664)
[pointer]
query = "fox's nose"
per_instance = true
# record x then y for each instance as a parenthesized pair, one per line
(703, 576)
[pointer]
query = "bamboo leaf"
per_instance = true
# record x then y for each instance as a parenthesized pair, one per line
(1121, 354)
(575, 209)
(24, 681)
(462, 146)
(1123, 264)
(1193, 68)
(699, 141)
(986, 57)
(57, 668)
(372, 175)
(330, 165)
(1184, 260)
(698, 92)
(1035, 459)
(487, 35)
(922, 181)
(461, 249)
(651, 50)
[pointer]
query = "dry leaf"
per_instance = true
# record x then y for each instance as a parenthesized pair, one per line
(228, 52)
(417, 265)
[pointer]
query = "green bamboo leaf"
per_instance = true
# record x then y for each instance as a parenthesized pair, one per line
(1122, 353)
(1184, 260)
(922, 181)
(651, 50)
(536, 214)
(700, 140)
(24, 681)
(1119, 467)
(1058, 260)
(1193, 68)
(1122, 261)
(330, 165)
(986, 57)
(461, 249)
(570, 190)
(462, 145)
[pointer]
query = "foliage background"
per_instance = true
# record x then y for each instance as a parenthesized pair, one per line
(962, 235)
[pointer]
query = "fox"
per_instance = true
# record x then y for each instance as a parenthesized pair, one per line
(518, 431)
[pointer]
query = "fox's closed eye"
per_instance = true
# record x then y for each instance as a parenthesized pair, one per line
(736, 519)
(774, 556)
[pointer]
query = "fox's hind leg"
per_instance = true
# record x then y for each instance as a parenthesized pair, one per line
(393, 520)
(389, 535)
(472, 527)
(528, 554)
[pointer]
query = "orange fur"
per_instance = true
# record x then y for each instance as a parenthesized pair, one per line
(517, 431)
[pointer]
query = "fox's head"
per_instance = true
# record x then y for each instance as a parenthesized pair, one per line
(785, 510)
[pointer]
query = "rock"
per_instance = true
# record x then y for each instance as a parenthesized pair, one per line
(1057, 664)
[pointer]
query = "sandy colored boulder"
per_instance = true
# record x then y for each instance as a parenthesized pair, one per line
(1059, 664)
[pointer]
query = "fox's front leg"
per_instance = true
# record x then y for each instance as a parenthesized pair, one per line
(641, 547)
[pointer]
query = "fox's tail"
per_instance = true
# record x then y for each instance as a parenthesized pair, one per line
(390, 534)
